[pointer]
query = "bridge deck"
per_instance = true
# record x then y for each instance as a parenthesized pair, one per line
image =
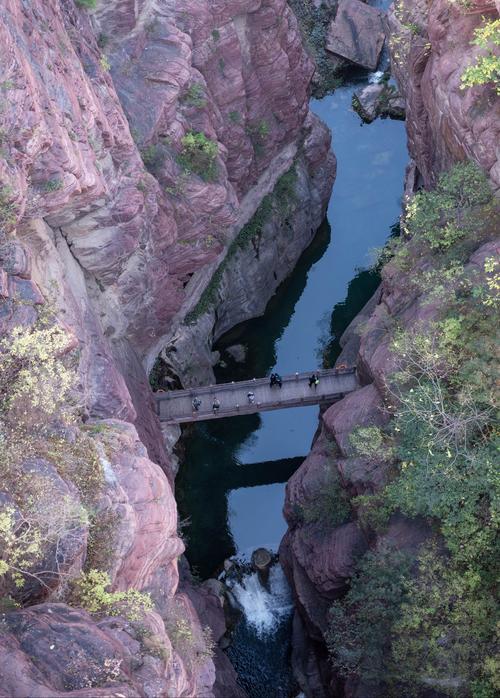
(176, 407)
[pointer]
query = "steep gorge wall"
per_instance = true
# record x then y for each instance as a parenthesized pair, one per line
(321, 550)
(431, 48)
(125, 253)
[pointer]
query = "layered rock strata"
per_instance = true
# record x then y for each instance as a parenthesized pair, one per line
(124, 251)
(431, 48)
(445, 125)
(357, 33)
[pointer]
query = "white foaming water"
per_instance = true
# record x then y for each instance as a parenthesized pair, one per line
(264, 609)
(375, 78)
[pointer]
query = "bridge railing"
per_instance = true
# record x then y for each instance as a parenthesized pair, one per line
(160, 395)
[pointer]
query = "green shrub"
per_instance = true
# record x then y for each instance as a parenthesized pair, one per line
(195, 648)
(153, 157)
(486, 69)
(284, 193)
(258, 133)
(104, 63)
(314, 22)
(78, 461)
(8, 217)
(52, 185)
(370, 442)
(35, 380)
(444, 216)
(90, 592)
(37, 416)
(199, 155)
(235, 117)
(439, 630)
(44, 523)
(445, 631)
(150, 643)
(359, 628)
(88, 4)
(195, 95)
(102, 40)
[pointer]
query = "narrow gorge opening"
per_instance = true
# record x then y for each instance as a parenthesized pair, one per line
(232, 478)
(167, 225)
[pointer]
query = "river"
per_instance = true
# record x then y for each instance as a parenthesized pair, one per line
(230, 488)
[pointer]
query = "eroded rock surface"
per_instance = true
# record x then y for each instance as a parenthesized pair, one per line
(430, 45)
(357, 33)
(378, 100)
(99, 210)
(431, 48)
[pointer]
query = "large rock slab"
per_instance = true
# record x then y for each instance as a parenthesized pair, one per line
(357, 33)
(378, 100)
(362, 408)
(55, 650)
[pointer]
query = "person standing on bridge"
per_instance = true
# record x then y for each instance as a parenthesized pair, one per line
(196, 404)
(251, 397)
(313, 381)
(272, 380)
(215, 405)
(278, 379)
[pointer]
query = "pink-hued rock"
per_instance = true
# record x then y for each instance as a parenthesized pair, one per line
(139, 498)
(122, 244)
(378, 100)
(402, 534)
(311, 478)
(362, 408)
(124, 254)
(55, 650)
(357, 33)
(318, 565)
(445, 123)
(328, 557)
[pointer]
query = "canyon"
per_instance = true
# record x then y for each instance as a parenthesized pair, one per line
(146, 249)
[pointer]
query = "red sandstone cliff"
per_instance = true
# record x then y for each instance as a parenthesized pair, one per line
(430, 48)
(86, 98)
(445, 124)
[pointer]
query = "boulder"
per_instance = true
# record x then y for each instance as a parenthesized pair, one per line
(261, 562)
(357, 33)
(362, 408)
(54, 650)
(378, 100)
(328, 557)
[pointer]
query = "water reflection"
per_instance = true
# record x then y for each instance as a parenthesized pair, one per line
(296, 329)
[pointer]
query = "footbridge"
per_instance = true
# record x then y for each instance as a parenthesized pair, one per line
(176, 406)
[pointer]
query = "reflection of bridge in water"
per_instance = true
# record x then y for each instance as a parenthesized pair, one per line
(176, 406)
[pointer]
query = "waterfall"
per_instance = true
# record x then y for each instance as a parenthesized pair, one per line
(263, 608)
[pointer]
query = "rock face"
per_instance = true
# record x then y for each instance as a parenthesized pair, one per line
(357, 33)
(100, 203)
(264, 264)
(445, 123)
(56, 650)
(378, 100)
